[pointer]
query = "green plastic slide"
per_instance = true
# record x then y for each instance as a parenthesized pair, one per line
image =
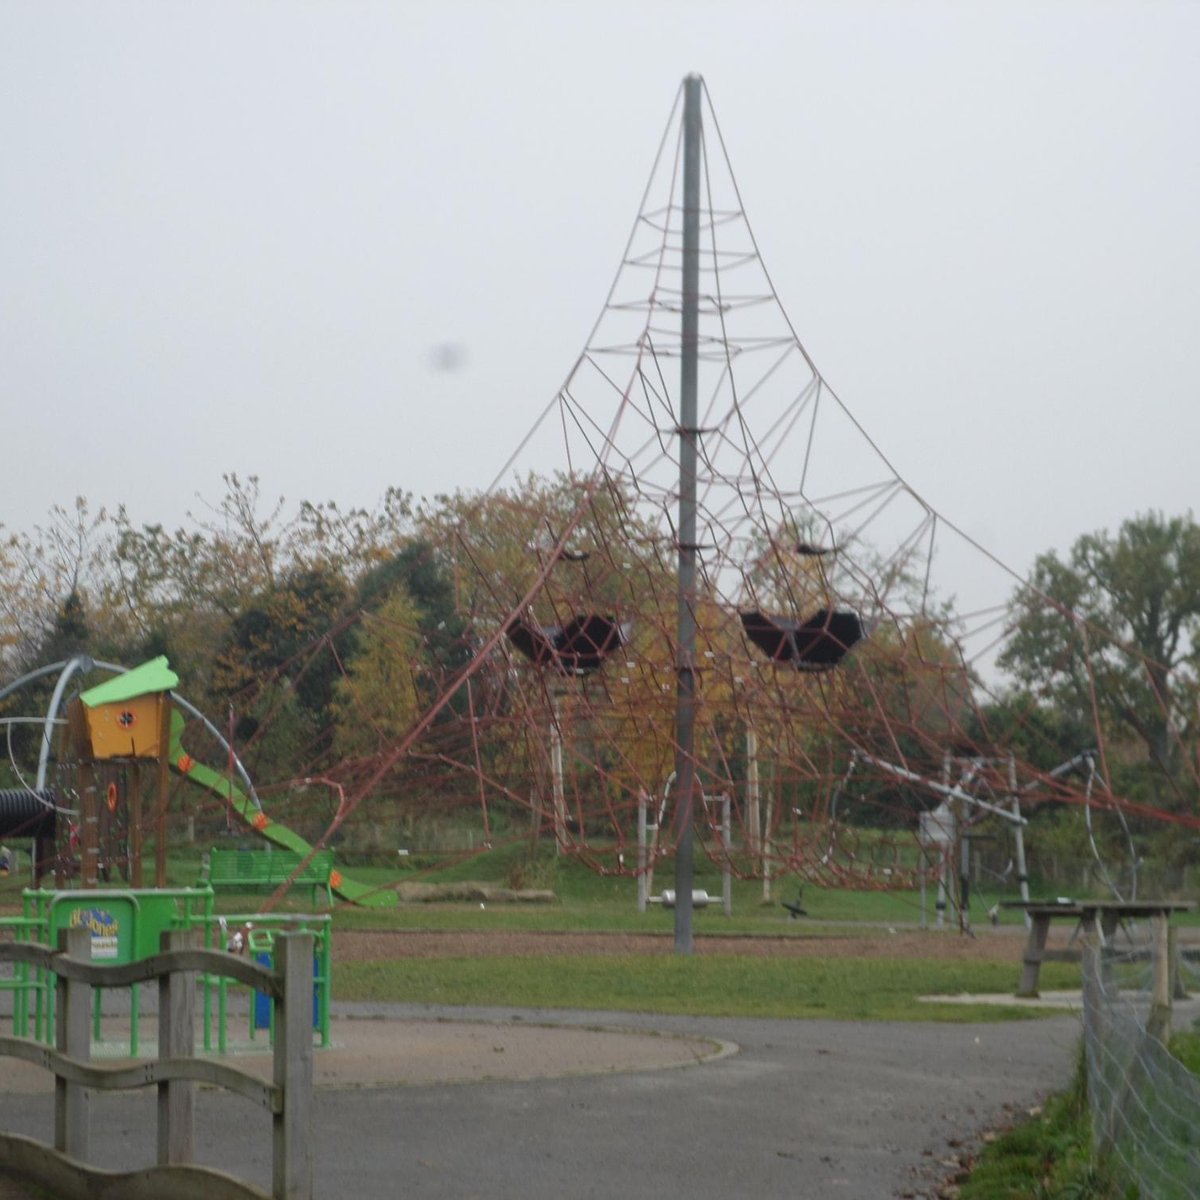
(195, 772)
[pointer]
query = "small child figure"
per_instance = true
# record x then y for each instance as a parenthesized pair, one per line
(5, 860)
(237, 941)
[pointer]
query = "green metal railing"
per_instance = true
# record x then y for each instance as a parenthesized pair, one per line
(126, 926)
(262, 929)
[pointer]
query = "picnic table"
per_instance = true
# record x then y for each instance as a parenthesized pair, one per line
(1103, 917)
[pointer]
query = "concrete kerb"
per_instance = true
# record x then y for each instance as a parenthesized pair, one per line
(1184, 1012)
(379, 1050)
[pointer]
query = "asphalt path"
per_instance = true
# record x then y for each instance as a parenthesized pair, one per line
(792, 1109)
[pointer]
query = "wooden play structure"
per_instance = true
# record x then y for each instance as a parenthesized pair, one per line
(114, 731)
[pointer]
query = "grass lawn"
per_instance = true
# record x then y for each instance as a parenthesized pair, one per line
(1044, 1158)
(725, 985)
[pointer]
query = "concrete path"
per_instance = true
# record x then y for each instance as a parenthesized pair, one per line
(801, 1109)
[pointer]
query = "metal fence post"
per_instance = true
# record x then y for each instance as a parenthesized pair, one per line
(176, 1039)
(292, 1131)
(1158, 1024)
(73, 1038)
(1093, 1038)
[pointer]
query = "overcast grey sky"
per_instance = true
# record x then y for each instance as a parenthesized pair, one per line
(240, 236)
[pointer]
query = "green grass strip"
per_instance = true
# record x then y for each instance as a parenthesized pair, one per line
(733, 985)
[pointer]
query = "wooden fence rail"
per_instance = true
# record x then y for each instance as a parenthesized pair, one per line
(176, 1071)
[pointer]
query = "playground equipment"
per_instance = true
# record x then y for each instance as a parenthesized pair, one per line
(740, 519)
(114, 733)
(126, 926)
(127, 720)
(32, 815)
(175, 1071)
(648, 851)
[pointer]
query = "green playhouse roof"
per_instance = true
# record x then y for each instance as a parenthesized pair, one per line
(153, 676)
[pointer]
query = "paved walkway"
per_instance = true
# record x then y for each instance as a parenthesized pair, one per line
(449, 1104)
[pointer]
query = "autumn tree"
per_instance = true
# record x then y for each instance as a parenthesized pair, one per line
(52, 586)
(377, 700)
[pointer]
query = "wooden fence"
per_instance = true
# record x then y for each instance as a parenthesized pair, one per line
(176, 1071)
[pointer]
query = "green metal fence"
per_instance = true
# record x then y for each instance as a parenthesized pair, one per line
(126, 926)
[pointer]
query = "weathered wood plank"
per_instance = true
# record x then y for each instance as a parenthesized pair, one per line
(72, 1119)
(211, 962)
(123, 1077)
(70, 1180)
(292, 1172)
(176, 1139)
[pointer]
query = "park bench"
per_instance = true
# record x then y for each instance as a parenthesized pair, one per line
(266, 870)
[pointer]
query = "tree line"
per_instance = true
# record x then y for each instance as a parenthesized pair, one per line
(324, 632)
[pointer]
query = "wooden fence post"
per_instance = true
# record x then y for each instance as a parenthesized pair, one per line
(73, 1038)
(293, 1159)
(1158, 1025)
(176, 1039)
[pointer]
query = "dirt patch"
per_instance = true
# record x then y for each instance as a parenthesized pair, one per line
(375, 945)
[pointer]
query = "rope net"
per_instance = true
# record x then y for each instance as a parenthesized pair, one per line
(842, 690)
(838, 690)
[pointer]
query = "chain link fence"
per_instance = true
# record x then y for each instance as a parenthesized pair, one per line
(1145, 1104)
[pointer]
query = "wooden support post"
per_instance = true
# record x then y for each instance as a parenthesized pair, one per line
(1178, 991)
(765, 843)
(1035, 949)
(726, 857)
(642, 885)
(135, 825)
(164, 781)
(89, 827)
(176, 1039)
(73, 1038)
(1106, 923)
(293, 1159)
(753, 817)
(89, 844)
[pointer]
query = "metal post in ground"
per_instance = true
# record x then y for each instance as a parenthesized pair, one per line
(685, 702)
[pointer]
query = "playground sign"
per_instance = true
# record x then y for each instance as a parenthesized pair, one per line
(104, 927)
(110, 919)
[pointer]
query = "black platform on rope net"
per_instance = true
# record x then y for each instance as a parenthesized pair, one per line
(817, 644)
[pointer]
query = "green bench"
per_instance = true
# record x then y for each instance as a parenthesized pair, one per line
(266, 870)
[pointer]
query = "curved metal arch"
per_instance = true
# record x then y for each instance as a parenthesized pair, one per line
(29, 677)
(81, 664)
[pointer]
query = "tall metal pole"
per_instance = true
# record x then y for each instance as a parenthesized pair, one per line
(685, 696)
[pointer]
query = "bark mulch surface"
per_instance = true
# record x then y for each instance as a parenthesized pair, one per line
(991, 945)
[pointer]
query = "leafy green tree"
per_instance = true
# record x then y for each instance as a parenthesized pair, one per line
(418, 571)
(1109, 636)
(281, 632)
